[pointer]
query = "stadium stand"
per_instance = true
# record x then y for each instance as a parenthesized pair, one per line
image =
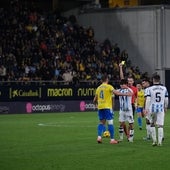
(38, 46)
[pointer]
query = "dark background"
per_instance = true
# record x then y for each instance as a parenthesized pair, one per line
(64, 5)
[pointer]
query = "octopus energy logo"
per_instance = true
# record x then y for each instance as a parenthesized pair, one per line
(44, 107)
(87, 106)
(29, 107)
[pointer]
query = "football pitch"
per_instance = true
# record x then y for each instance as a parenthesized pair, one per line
(67, 141)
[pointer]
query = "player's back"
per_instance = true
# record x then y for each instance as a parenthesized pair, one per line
(157, 95)
(104, 93)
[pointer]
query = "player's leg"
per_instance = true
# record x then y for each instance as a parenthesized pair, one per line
(100, 131)
(139, 113)
(102, 124)
(130, 120)
(126, 130)
(160, 123)
(131, 132)
(109, 117)
(153, 134)
(122, 127)
(153, 129)
(163, 138)
(102, 121)
(104, 128)
(148, 128)
(160, 135)
(121, 130)
(111, 128)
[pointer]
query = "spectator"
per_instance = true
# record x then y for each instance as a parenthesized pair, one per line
(34, 44)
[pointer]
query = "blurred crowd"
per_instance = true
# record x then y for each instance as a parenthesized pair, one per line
(38, 46)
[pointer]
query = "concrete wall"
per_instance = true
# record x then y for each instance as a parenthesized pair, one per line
(167, 38)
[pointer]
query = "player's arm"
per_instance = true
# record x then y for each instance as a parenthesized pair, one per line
(145, 95)
(136, 102)
(113, 101)
(121, 71)
(118, 93)
(147, 104)
(130, 91)
(95, 99)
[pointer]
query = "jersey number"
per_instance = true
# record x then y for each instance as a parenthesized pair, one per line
(158, 97)
(102, 94)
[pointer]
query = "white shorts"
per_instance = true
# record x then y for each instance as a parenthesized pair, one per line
(126, 116)
(157, 118)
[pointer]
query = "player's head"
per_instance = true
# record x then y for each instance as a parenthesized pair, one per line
(105, 79)
(123, 83)
(139, 85)
(130, 81)
(145, 82)
(156, 79)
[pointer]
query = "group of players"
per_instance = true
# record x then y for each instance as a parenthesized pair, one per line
(148, 100)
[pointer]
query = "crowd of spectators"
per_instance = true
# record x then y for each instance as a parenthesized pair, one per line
(38, 46)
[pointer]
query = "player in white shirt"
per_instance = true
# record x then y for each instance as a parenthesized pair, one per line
(125, 112)
(146, 85)
(156, 106)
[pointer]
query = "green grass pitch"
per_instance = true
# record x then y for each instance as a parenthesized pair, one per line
(67, 141)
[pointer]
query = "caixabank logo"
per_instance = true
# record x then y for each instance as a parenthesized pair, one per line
(24, 93)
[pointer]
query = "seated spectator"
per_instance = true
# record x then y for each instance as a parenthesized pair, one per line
(38, 46)
(67, 77)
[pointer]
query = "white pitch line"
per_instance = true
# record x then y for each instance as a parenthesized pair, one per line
(62, 125)
(71, 124)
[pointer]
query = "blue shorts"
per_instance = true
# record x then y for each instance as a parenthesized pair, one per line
(105, 114)
(139, 110)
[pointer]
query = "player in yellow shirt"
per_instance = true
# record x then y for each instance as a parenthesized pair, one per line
(103, 99)
(140, 102)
